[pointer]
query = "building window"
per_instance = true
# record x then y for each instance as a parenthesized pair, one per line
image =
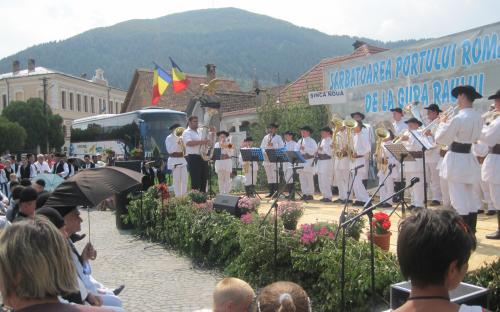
(92, 106)
(63, 99)
(117, 108)
(100, 106)
(103, 106)
(71, 103)
(85, 104)
(79, 102)
(4, 100)
(19, 96)
(111, 107)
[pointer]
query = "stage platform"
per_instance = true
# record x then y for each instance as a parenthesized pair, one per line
(315, 211)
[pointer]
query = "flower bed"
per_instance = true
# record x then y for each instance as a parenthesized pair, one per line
(309, 256)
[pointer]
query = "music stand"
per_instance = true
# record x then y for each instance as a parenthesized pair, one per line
(426, 145)
(216, 155)
(400, 152)
(277, 156)
(252, 155)
(294, 157)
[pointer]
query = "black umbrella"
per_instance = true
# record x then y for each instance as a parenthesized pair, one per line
(89, 187)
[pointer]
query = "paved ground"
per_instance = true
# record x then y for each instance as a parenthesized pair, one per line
(156, 279)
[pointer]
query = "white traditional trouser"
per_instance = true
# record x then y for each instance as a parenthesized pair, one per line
(417, 190)
(224, 179)
(432, 175)
(465, 198)
(270, 169)
(248, 176)
(306, 182)
(445, 193)
(325, 173)
(495, 195)
(342, 179)
(288, 173)
(180, 178)
(485, 195)
(359, 189)
(388, 188)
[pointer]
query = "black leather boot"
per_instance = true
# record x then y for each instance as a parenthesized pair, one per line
(271, 190)
(495, 235)
(473, 221)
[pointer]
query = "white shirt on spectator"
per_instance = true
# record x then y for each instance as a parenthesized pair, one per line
(39, 168)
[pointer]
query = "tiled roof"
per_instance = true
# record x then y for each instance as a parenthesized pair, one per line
(312, 80)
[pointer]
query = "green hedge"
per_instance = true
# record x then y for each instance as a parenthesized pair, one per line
(247, 251)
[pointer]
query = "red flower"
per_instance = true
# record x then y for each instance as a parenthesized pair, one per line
(386, 225)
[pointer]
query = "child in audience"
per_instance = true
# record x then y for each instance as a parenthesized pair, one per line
(283, 297)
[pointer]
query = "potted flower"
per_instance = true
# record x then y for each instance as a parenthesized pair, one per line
(355, 229)
(381, 230)
(311, 233)
(290, 212)
(198, 198)
(248, 204)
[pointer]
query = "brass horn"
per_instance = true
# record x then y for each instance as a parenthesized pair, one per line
(178, 131)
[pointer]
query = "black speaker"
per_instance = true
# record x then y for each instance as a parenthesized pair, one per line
(129, 164)
(463, 294)
(228, 203)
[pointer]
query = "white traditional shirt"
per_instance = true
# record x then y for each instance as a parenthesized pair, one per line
(490, 171)
(413, 145)
(341, 163)
(465, 127)
(325, 148)
(289, 146)
(39, 168)
(172, 145)
(399, 126)
(276, 141)
(191, 135)
(361, 146)
(432, 155)
(224, 164)
(310, 148)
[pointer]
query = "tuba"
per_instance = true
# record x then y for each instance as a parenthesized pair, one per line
(206, 149)
(382, 134)
(337, 124)
(178, 134)
(350, 124)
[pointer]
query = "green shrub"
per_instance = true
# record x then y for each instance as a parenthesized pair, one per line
(488, 276)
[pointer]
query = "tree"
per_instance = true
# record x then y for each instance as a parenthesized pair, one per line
(30, 115)
(12, 137)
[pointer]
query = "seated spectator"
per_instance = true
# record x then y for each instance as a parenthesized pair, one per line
(21, 254)
(233, 294)
(27, 203)
(283, 297)
(42, 199)
(12, 185)
(14, 203)
(39, 186)
(433, 252)
(95, 289)
(25, 182)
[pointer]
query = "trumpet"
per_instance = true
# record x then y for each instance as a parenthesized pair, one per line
(227, 145)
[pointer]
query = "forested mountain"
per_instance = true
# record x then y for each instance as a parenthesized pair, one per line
(237, 41)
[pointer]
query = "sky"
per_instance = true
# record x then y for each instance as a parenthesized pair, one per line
(25, 23)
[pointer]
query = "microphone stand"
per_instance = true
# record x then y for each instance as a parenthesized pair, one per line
(366, 211)
(341, 220)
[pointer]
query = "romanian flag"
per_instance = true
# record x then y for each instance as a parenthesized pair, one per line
(180, 81)
(161, 80)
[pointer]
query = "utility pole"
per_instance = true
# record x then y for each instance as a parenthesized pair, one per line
(45, 84)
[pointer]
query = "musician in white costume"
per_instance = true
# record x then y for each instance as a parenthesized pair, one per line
(307, 147)
(480, 150)
(491, 166)
(324, 164)
(432, 158)
(414, 169)
(224, 166)
(250, 171)
(271, 141)
(341, 165)
(361, 146)
(460, 167)
(176, 161)
(288, 167)
(388, 188)
(399, 126)
(368, 131)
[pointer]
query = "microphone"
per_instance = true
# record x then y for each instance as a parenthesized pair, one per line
(358, 167)
(414, 181)
(391, 166)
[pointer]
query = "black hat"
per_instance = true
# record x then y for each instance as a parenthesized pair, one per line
(172, 127)
(469, 90)
(248, 139)
(289, 133)
(16, 192)
(327, 129)
(359, 114)
(414, 120)
(494, 96)
(433, 108)
(42, 198)
(28, 194)
(397, 109)
(307, 128)
(223, 132)
(60, 154)
(64, 210)
(53, 215)
(40, 182)
(273, 125)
